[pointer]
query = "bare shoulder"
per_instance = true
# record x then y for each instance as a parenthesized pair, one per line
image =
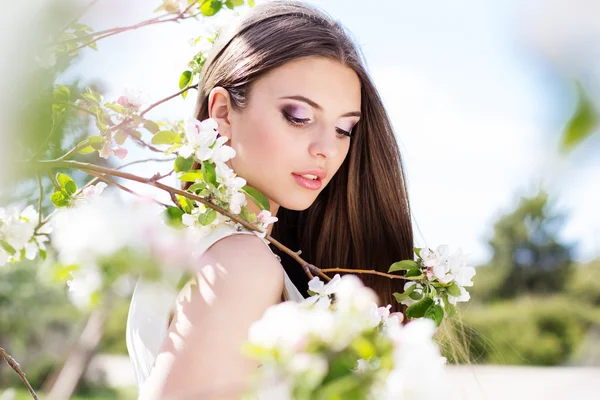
(246, 257)
(236, 280)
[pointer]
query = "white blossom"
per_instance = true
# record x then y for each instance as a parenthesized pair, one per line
(17, 231)
(199, 137)
(132, 98)
(418, 365)
(94, 231)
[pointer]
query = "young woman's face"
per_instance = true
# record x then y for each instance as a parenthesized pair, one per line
(298, 121)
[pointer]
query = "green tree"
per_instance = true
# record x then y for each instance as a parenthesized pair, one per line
(528, 257)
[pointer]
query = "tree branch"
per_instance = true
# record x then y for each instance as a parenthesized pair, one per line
(15, 365)
(307, 267)
(112, 182)
(96, 36)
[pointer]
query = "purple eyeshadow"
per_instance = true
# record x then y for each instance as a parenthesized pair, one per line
(296, 111)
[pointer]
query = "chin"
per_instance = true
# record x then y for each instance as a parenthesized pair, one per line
(297, 203)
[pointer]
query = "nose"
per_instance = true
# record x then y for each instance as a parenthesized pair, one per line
(324, 143)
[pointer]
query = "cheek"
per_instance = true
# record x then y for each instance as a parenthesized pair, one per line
(261, 145)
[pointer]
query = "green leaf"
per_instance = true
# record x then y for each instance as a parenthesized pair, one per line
(97, 142)
(211, 7)
(196, 186)
(87, 150)
(583, 122)
(436, 313)
(413, 272)
(402, 296)
(418, 251)
(403, 265)
(210, 173)
(66, 183)
(419, 309)
(207, 217)
(183, 164)
(62, 272)
(185, 79)
(115, 107)
(251, 3)
(191, 176)
(151, 126)
(186, 204)
(81, 27)
(416, 296)
(174, 215)
(363, 347)
(231, 4)
(90, 98)
(453, 289)
(257, 197)
(166, 137)
(9, 249)
(61, 93)
(120, 137)
(60, 199)
(43, 254)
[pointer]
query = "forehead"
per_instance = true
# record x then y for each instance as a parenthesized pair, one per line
(332, 85)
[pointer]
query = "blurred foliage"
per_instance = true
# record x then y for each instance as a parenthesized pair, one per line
(98, 394)
(528, 256)
(531, 304)
(113, 341)
(538, 330)
(584, 284)
(36, 322)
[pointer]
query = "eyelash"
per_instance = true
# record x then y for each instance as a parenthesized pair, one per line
(298, 122)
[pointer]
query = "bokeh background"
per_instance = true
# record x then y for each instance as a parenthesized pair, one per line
(494, 105)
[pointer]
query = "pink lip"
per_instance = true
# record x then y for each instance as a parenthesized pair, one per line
(321, 174)
(308, 183)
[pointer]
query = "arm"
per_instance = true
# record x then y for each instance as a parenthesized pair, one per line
(237, 280)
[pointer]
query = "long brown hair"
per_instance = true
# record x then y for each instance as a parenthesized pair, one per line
(361, 220)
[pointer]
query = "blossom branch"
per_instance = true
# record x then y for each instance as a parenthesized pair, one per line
(95, 179)
(15, 365)
(185, 89)
(96, 36)
(86, 167)
(112, 182)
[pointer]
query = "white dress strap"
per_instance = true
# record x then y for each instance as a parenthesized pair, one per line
(152, 303)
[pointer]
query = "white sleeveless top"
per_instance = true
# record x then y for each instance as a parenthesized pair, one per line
(152, 303)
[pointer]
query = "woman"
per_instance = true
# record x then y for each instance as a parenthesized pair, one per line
(288, 89)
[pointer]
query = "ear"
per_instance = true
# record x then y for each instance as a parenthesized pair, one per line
(219, 109)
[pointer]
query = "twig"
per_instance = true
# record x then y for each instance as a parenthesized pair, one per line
(185, 89)
(39, 179)
(74, 150)
(15, 365)
(56, 185)
(96, 36)
(157, 177)
(112, 182)
(365, 271)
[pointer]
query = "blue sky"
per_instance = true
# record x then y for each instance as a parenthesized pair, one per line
(476, 111)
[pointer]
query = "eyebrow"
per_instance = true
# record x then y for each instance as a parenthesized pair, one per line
(318, 107)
